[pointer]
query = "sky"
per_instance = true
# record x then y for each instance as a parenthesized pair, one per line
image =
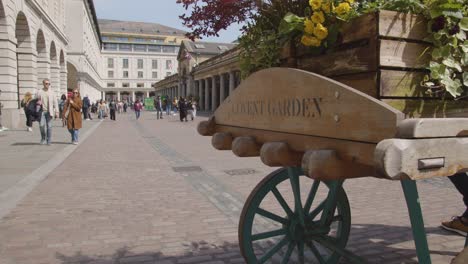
(165, 12)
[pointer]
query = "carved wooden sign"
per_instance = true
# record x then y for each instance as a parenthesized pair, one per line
(303, 103)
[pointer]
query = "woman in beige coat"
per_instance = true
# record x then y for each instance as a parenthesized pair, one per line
(72, 113)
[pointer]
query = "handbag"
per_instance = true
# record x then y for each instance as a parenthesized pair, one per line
(67, 112)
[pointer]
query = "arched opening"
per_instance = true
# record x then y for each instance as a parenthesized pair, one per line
(63, 73)
(72, 76)
(25, 58)
(54, 70)
(43, 61)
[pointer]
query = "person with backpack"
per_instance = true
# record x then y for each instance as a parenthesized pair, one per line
(86, 105)
(25, 103)
(112, 108)
(137, 107)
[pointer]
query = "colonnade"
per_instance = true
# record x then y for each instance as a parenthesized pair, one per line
(210, 91)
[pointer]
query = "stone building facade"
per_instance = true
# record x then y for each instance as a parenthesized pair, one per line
(34, 45)
(208, 72)
(136, 55)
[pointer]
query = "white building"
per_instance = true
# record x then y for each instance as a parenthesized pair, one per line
(135, 56)
(34, 45)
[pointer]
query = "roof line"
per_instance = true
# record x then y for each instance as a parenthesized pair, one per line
(93, 10)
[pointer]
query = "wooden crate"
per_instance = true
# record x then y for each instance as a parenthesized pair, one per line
(385, 56)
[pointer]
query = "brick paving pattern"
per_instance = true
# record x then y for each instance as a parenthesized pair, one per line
(153, 191)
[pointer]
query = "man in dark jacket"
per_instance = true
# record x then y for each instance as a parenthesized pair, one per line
(159, 107)
(86, 105)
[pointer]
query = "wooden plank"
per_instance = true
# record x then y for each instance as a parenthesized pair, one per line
(415, 108)
(360, 153)
(402, 25)
(433, 127)
(421, 158)
(394, 53)
(299, 102)
(402, 83)
(363, 27)
(358, 59)
(363, 82)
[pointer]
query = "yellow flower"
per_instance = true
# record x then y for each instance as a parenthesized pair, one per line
(342, 9)
(320, 31)
(310, 41)
(318, 17)
(326, 7)
(309, 26)
(315, 4)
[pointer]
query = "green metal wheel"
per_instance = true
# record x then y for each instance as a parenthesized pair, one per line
(291, 218)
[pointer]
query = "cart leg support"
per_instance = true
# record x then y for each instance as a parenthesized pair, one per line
(414, 209)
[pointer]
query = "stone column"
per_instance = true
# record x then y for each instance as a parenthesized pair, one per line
(200, 94)
(12, 116)
(147, 94)
(133, 96)
(63, 80)
(27, 74)
(232, 82)
(103, 95)
(55, 80)
(118, 96)
(222, 87)
(214, 94)
(207, 95)
(43, 70)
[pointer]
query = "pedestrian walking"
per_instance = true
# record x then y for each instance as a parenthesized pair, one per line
(72, 113)
(182, 109)
(48, 101)
(86, 106)
(194, 109)
(61, 105)
(159, 107)
(112, 108)
(125, 106)
(101, 110)
(175, 104)
(25, 104)
(2, 128)
(168, 104)
(137, 107)
(459, 224)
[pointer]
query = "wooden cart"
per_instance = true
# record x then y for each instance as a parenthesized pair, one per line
(325, 132)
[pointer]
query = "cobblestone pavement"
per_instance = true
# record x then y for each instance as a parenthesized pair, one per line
(154, 191)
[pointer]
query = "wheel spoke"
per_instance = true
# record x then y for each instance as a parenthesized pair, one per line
(300, 251)
(287, 256)
(269, 234)
(317, 210)
(273, 251)
(282, 202)
(294, 178)
(272, 216)
(311, 197)
(317, 254)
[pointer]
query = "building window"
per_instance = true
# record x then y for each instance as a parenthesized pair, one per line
(155, 75)
(110, 85)
(140, 74)
(110, 74)
(125, 74)
(154, 48)
(140, 85)
(168, 65)
(155, 64)
(168, 49)
(168, 74)
(125, 85)
(125, 63)
(125, 47)
(110, 63)
(110, 46)
(140, 63)
(141, 48)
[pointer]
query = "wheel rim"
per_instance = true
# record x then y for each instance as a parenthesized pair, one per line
(279, 235)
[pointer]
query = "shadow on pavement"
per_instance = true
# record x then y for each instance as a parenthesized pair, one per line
(383, 244)
(34, 143)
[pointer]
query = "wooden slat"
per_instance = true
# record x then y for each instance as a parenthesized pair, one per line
(433, 128)
(415, 108)
(403, 54)
(402, 83)
(363, 82)
(361, 153)
(402, 25)
(298, 102)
